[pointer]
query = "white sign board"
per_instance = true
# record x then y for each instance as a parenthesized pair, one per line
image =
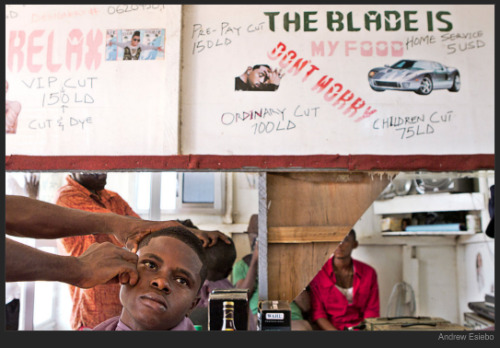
(341, 79)
(92, 79)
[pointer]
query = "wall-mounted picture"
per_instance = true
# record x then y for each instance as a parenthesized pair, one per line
(419, 76)
(260, 77)
(135, 44)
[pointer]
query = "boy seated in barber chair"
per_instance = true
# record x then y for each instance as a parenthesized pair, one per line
(172, 269)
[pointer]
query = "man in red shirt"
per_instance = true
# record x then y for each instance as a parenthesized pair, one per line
(85, 191)
(345, 291)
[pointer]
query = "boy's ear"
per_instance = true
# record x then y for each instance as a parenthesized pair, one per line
(249, 70)
(355, 244)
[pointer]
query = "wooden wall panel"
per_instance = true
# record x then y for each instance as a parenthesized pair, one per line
(321, 253)
(305, 234)
(282, 265)
(294, 276)
(308, 215)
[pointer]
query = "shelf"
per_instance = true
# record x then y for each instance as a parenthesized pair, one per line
(424, 240)
(427, 233)
(430, 202)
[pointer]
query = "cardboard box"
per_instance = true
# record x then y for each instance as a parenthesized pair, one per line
(215, 300)
(274, 316)
(391, 224)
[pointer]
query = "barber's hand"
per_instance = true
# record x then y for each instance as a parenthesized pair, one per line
(210, 238)
(136, 229)
(106, 263)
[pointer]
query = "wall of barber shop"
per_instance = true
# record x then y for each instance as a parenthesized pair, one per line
(441, 270)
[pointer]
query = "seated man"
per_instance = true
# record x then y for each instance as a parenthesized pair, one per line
(345, 291)
(219, 259)
(244, 276)
(172, 268)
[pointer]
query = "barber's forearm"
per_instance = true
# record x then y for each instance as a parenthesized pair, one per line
(247, 283)
(26, 217)
(250, 280)
(24, 263)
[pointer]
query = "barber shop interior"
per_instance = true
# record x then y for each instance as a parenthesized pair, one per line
(337, 173)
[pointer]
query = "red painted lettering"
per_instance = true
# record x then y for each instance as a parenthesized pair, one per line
(40, 49)
(50, 49)
(322, 84)
(343, 99)
(33, 50)
(16, 43)
(274, 54)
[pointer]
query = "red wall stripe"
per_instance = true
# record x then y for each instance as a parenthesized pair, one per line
(253, 163)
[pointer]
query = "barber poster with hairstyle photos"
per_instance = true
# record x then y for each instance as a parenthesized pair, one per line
(338, 79)
(92, 79)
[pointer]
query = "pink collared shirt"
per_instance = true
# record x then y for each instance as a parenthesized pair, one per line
(115, 324)
(328, 302)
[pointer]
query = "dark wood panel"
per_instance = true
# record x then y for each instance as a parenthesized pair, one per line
(285, 274)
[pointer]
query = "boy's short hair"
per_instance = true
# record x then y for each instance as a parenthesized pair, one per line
(187, 237)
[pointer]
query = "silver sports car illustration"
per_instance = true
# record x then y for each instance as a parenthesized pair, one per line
(420, 76)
